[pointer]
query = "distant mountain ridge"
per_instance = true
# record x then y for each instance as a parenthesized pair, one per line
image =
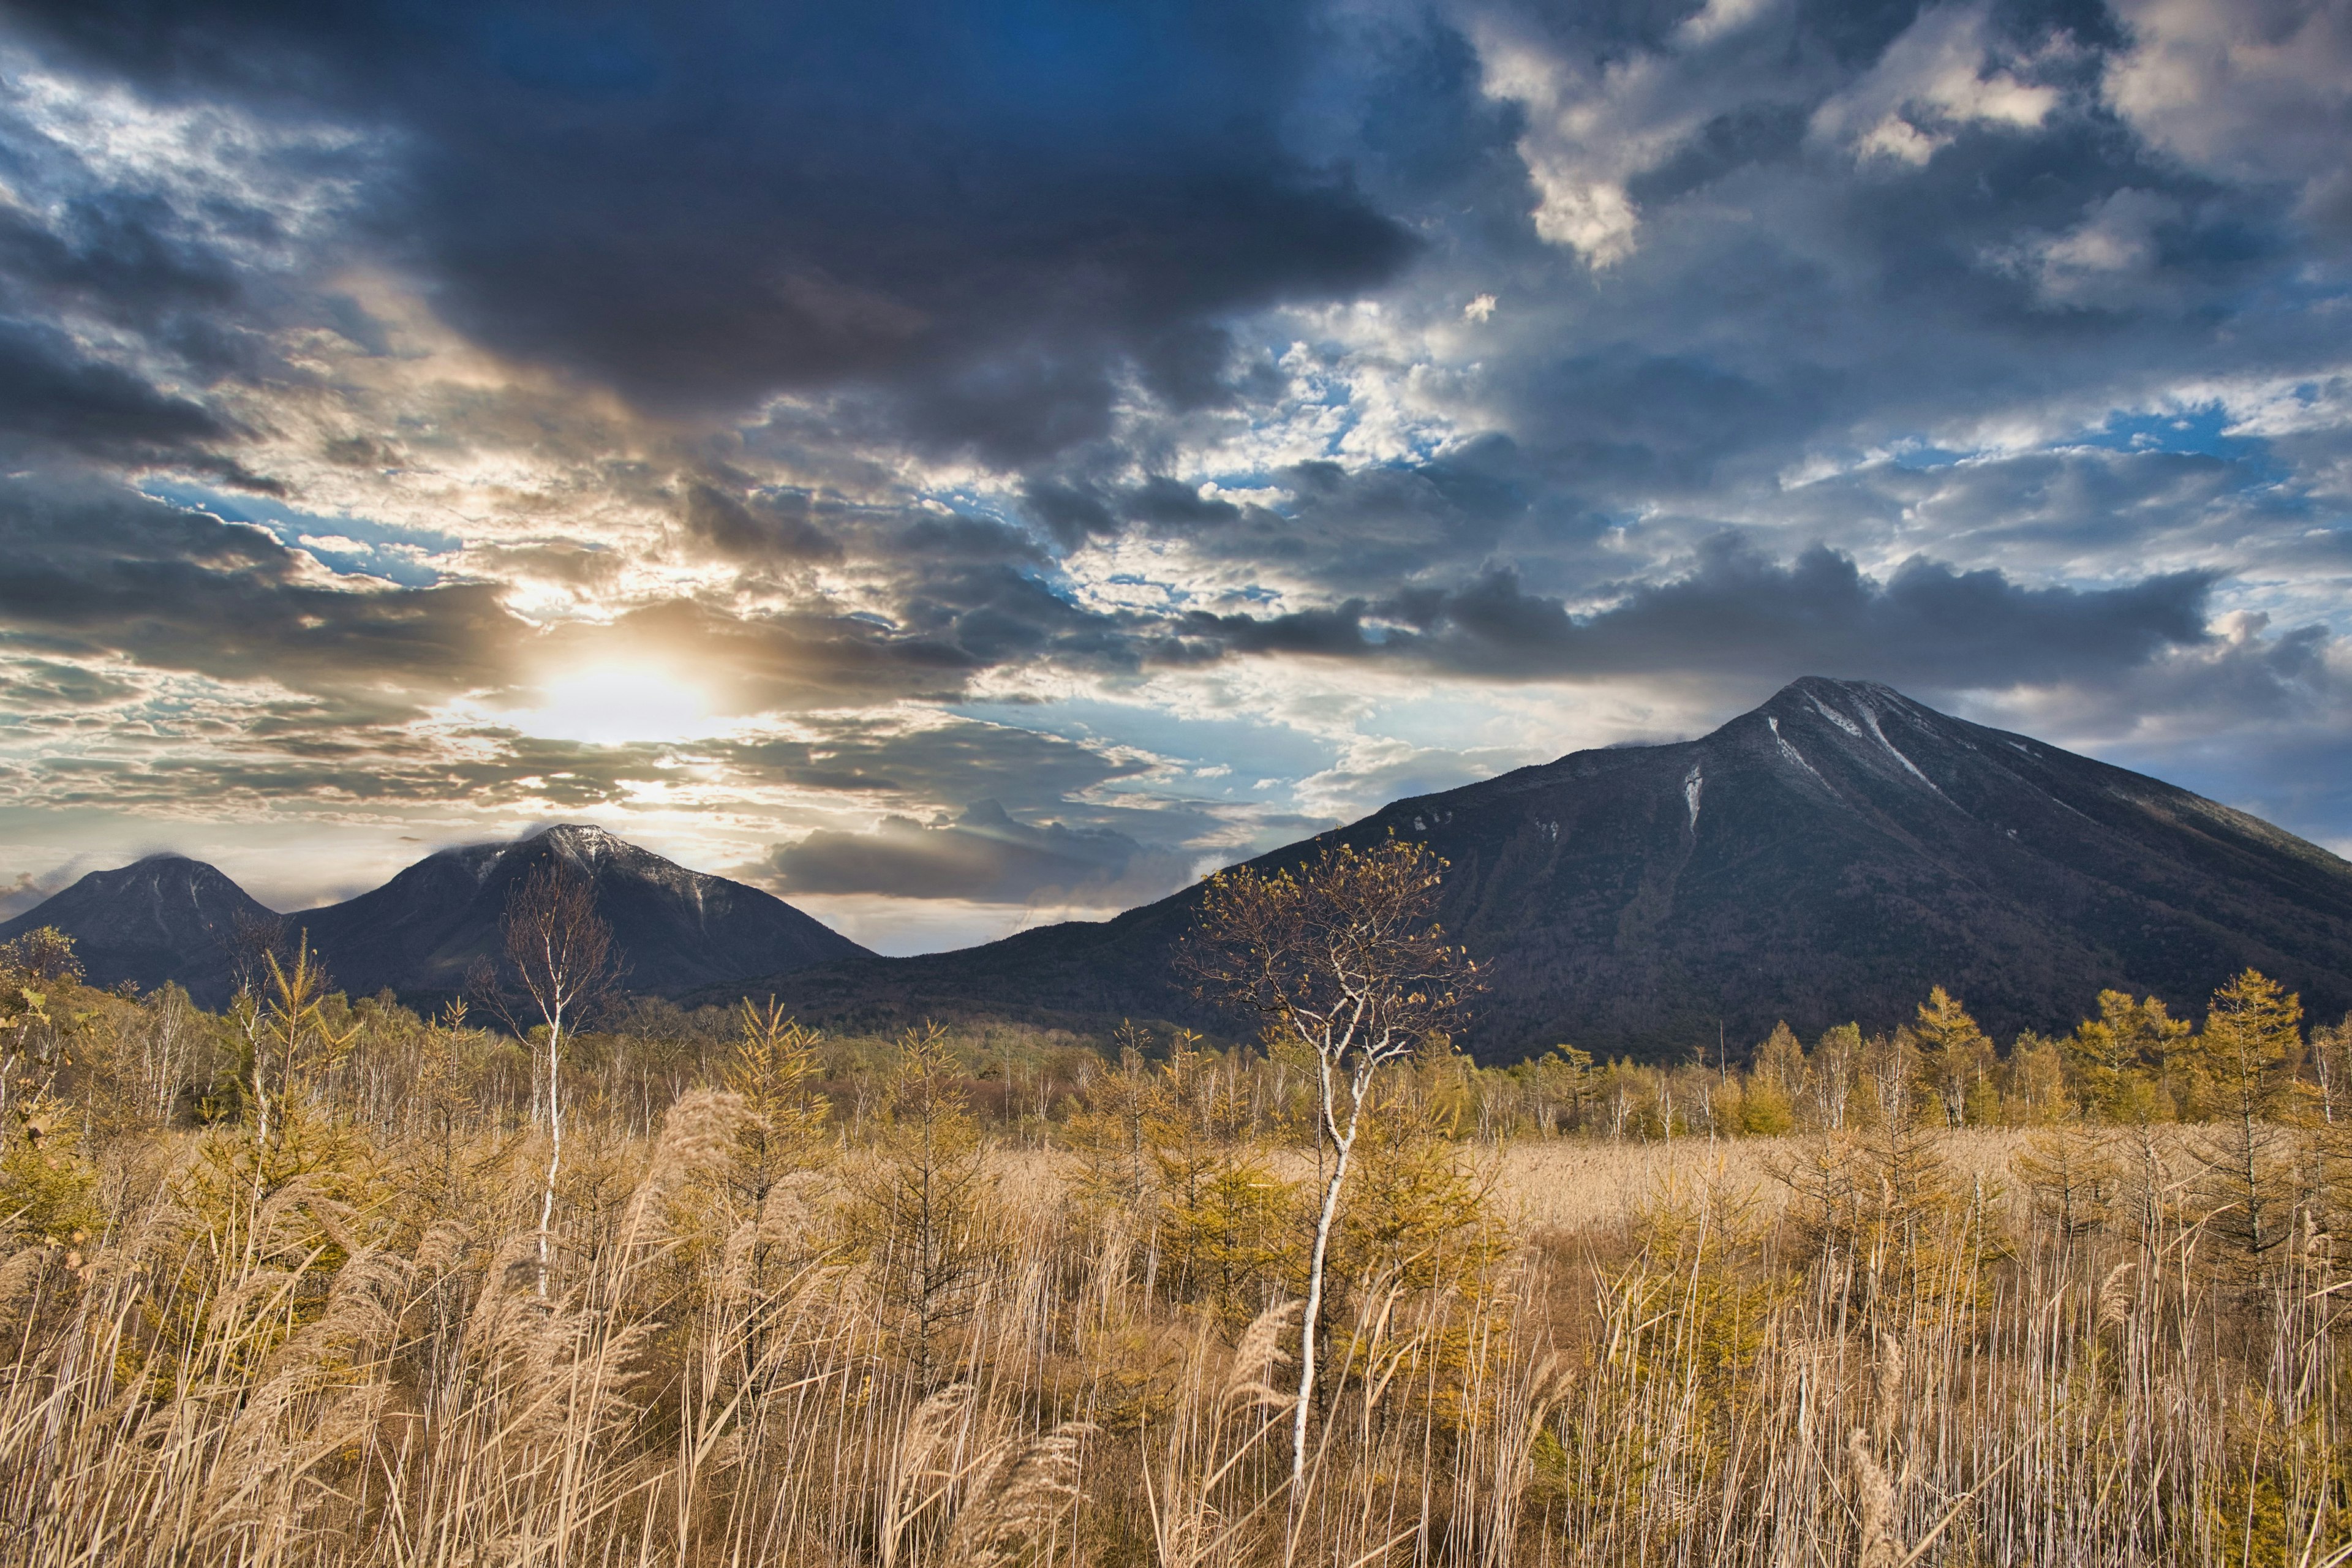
(162, 919)
(1827, 856)
(170, 917)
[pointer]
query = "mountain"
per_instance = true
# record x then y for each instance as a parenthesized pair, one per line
(674, 928)
(166, 918)
(1826, 857)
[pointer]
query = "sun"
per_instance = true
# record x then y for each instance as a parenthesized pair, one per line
(617, 705)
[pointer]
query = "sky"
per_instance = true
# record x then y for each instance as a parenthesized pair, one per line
(964, 465)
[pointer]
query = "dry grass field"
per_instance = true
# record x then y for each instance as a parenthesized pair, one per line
(1888, 1348)
(312, 1283)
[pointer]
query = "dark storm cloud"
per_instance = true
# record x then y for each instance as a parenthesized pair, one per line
(986, 856)
(956, 760)
(59, 401)
(1740, 610)
(126, 256)
(1000, 612)
(985, 208)
(92, 569)
(772, 527)
(1739, 613)
(53, 394)
(123, 297)
(1775, 279)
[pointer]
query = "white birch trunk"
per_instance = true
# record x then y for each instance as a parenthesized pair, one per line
(555, 1141)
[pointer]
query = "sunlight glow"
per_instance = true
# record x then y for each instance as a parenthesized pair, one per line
(615, 705)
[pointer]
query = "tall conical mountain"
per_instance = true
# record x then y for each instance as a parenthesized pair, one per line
(674, 928)
(166, 918)
(1826, 857)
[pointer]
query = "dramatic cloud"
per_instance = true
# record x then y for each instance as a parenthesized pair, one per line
(1739, 612)
(984, 855)
(114, 574)
(988, 213)
(970, 464)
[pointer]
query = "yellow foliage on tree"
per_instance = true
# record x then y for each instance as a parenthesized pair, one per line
(1344, 956)
(2251, 1039)
(924, 1208)
(1956, 1057)
(2124, 1060)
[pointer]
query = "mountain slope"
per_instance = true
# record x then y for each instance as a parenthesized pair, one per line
(673, 928)
(1827, 856)
(166, 918)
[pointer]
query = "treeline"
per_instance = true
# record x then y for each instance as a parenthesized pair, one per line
(131, 1061)
(2133, 1064)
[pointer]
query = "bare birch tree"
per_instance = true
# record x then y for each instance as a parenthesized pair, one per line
(1343, 955)
(560, 952)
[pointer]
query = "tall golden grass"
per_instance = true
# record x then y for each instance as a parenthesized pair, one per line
(809, 1306)
(1792, 1352)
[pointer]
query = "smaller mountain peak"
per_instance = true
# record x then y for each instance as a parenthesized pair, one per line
(1851, 705)
(1832, 685)
(580, 838)
(578, 833)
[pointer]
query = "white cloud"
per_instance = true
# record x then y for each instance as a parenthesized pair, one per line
(2109, 261)
(2250, 89)
(1592, 127)
(1938, 77)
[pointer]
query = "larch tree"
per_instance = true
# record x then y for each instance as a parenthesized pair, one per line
(1344, 956)
(2122, 1058)
(2250, 1042)
(286, 1036)
(925, 1207)
(1957, 1054)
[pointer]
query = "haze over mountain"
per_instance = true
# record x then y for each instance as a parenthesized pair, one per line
(1827, 856)
(165, 917)
(170, 917)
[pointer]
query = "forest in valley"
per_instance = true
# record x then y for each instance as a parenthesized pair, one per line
(319, 1279)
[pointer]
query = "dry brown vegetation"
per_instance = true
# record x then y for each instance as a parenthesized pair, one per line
(1000, 1297)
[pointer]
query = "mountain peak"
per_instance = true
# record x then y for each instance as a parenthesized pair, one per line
(1824, 688)
(1826, 857)
(576, 833)
(584, 841)
(675, 928)
(161, 918)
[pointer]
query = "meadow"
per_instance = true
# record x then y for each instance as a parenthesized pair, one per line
(283, 1286)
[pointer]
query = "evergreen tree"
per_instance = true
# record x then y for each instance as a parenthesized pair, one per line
(1775, 1083)
(2251, 1037)
(2037, 1093)
(2123, 1061)
(1956, 1057)
(924, 1210)
(1225, 1230)
(1110, 1133)
(781, 1134)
